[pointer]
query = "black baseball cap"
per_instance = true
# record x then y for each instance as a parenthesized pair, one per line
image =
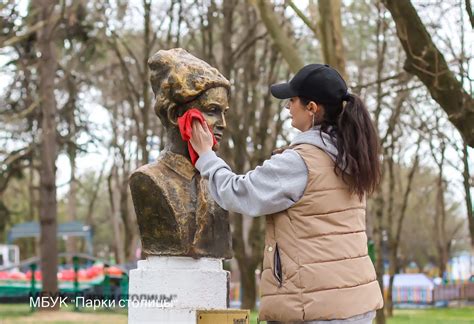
(318, 82)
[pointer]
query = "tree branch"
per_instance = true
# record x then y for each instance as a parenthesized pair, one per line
(469, 12)
(426, 62)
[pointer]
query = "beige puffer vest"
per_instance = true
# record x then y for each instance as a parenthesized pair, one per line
(316, 264)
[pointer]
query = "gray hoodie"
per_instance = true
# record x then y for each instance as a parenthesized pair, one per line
(272, 187)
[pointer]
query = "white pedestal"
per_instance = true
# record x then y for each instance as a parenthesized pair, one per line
(167, 289)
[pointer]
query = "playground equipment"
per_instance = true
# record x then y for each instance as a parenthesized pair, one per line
(98, 279)
(9, 255)
(94, 277)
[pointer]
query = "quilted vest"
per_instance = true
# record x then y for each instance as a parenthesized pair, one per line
(316, 264)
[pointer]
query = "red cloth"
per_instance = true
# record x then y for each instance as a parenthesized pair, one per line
(185, 124)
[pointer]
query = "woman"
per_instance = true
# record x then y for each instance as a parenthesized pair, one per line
(316, 267)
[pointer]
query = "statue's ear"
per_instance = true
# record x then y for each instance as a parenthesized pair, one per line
(174, 113)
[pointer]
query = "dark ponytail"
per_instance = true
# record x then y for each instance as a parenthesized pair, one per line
(357, 144)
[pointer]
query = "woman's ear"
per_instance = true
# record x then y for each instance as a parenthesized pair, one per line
(313, 107)
(319, 112)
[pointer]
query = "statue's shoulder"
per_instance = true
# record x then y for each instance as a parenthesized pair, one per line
(156, 171)
(149, 182)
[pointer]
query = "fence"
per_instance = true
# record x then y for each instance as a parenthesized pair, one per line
(402, 294)
(417, 295)
(454, 292)
(428, 295)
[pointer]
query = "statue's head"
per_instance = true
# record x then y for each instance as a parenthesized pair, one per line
(180, 81)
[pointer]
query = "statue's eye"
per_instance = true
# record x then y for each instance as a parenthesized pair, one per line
(213, 110)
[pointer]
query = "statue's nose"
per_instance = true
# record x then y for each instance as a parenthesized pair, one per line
(222, 122)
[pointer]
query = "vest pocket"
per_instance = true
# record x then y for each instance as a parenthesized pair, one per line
(277, 269)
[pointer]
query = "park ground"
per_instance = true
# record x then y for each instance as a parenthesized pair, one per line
(15, 313)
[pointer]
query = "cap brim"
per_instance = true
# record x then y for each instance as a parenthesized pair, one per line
(282, 91)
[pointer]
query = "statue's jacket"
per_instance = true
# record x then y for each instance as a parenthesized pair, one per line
(175, 213)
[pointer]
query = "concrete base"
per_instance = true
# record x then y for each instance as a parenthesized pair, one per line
(170, 289)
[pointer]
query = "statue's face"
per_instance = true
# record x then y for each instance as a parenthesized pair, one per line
(213, 104)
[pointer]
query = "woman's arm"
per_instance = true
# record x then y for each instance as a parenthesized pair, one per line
(272, 187)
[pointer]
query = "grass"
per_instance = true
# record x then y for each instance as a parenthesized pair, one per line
(434, 316)
(20, 313)
(461, 315)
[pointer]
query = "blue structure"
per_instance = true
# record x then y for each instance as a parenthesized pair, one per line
(32, 229)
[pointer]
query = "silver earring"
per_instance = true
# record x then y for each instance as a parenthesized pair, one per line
(313, 121)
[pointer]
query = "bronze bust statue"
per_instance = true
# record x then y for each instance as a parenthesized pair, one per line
(176, 214)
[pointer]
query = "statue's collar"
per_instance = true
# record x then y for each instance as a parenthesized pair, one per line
(178, 163)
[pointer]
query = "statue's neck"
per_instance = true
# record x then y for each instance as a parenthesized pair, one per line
(176, 144)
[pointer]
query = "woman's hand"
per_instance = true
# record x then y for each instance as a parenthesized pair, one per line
(201, 138)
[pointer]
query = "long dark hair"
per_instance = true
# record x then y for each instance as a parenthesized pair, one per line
(357, 143)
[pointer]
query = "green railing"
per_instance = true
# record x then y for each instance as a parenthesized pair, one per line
(14, 288)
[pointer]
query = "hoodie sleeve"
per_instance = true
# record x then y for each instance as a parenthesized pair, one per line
(272, 187)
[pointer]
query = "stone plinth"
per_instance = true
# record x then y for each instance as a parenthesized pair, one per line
(167, 289)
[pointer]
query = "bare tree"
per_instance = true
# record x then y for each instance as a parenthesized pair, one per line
(439, 231)
(325, 23)
(49, 147)
(426, 61)
(132, 57)
(379, 198)
(395, 226)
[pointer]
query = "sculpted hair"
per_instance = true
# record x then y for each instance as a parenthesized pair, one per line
(357, 144)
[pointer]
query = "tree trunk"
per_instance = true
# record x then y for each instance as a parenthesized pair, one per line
(379, 198)
(48, 153)
(443, 253)
(145, 110)
(392, 253)
(227, 61)
(128, 243)
(279, 36)
(394, 240)
(71, 244)
(33, 207)
(392, 270)
(331, 34)
(440, 213)
(426, 62)
(248, 284)
(378, 236)
(248, 261)
(467, 189)
(114, 197)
